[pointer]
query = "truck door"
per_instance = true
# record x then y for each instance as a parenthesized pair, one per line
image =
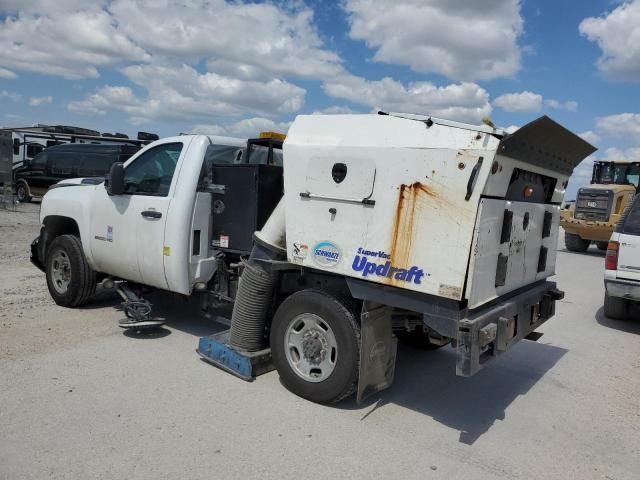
(127, 238)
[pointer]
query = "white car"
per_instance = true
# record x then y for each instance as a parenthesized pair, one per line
(622, 265)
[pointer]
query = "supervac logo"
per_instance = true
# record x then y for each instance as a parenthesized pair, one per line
(365, 264)
(326, 254)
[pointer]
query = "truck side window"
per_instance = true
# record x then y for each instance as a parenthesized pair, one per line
(151, 173)
(218, 155)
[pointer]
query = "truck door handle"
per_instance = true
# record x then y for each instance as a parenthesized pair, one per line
(472, 178)
(151, 214)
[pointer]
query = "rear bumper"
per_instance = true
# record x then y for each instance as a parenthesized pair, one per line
(628, 289)
(489, 332)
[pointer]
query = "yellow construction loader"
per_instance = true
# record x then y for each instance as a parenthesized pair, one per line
(599, 206)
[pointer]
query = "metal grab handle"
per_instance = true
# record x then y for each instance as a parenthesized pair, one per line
(472, 178)
(364, 201)
(151, 214)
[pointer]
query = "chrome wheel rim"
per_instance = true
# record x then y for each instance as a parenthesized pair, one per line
(311, 347)
(60, 271)
(22, 193)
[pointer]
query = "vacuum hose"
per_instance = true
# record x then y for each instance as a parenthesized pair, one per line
(255, 288)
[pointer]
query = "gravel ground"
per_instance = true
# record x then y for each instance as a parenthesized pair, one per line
(81, 399)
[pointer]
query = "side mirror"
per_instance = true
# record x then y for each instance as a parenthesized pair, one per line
(114, 183)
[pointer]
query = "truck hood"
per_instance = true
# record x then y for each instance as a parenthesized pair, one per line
(85, 181)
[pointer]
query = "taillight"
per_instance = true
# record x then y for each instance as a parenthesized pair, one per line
(611, 260)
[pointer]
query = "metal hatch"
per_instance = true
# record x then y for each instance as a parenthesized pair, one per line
(546, 144)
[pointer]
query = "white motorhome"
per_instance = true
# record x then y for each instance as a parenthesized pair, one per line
(27, 142)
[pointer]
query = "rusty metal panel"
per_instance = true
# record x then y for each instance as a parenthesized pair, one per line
(546, 144)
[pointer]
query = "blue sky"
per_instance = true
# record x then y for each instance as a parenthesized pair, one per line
(234, 68)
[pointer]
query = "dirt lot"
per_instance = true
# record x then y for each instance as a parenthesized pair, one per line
(80, 399)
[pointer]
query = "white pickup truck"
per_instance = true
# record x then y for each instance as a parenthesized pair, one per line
(365, 226)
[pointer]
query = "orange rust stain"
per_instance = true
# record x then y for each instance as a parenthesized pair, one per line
(411, 200)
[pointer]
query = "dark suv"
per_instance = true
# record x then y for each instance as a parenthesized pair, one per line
(67, 161)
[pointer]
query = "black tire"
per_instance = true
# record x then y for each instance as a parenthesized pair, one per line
(23, 193)
(576, 244)
(616, 308)
(602, 245)
(82, 279)
(341, 318)
(418, 338)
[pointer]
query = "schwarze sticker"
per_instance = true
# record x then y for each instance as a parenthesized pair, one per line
(327, 254)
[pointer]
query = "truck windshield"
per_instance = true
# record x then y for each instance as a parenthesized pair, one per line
(618, 174)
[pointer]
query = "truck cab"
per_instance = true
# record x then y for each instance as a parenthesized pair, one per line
(599, 206)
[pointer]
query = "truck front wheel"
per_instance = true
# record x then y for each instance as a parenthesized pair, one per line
(70, 279)
(616, 308)
(575, 243)
(315, 344)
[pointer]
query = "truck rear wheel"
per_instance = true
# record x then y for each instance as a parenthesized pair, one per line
(575, 243)
(70, 279)
(315, 344)
(616, 308)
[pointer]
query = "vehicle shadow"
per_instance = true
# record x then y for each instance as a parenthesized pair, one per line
(426, 383)
(183, 314)
(632, 325)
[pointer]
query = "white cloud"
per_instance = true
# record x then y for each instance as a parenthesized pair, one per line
(38, 101)
(14, 97)
(461, 40)
(519, 102)
(334, 110)
(617, 33)
(511, 128)
(247, 128)
(235, 39)
(624, 155)
(590, 136)
(569, 106)
(4, 73)
(464, 102)
(531, 102)
(184, 93)
(79, 37)
(622, 125)
(239, 40)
